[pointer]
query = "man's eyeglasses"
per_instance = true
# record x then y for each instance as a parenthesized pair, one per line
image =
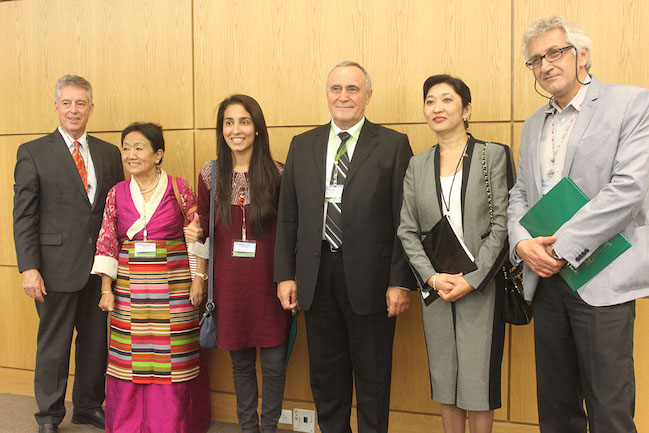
(550, 56)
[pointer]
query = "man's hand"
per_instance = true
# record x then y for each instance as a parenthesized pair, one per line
(287, 294)
(193, 231)
(33, 284)
(397, 300)
(534, 253)
(460, 289)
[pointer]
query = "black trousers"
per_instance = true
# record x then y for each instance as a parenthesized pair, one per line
(59, 315)
(583, 353)
(347, 349)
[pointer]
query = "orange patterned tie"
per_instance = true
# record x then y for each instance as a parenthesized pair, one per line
(81, 165)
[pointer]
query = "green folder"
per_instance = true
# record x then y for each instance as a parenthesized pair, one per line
(556, 208)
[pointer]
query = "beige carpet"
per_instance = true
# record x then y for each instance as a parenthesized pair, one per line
(17, 416)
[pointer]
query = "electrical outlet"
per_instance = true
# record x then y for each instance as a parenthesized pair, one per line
(303, 420)
(286, 417)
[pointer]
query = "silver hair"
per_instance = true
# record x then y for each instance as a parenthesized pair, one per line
(575, 36)
(368, 80)
(72, 80)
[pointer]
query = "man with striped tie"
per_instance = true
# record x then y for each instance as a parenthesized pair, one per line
(61, 183)
(337, 256)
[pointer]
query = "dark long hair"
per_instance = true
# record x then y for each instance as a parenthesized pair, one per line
(263, 176)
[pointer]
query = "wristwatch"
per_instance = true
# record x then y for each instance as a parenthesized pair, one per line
(202, 275)
(556, 255)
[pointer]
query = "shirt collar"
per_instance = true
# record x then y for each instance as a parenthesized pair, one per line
(576, 101)
(69, 141)
(351, 131)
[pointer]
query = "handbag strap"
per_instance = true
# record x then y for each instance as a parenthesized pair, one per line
(486, 181)
(210, 281)
(513, 272)
(181, 203)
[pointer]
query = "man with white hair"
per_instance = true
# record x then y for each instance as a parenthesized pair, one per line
(598, 135)
(338, 256)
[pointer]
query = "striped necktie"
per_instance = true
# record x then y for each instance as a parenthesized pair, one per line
(333, 224)
(81, 165)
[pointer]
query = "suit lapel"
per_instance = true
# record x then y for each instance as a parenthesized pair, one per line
(581, 124)
(97, 164)
(61, 151)
(320, 152)
(366, 142)
(537, 126)
(466, 168)
(438, 185)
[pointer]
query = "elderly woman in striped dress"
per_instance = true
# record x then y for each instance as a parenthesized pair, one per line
(155, 381)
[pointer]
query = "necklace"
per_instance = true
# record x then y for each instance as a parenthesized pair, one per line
(447, 205)
(154, 185)
(555, 150)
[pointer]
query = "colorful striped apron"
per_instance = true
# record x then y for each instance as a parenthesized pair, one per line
(154, 327)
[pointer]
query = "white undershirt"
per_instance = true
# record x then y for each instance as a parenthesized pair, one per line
(455, 212)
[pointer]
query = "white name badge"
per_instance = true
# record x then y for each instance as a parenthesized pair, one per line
(244, 248)
(334, 193)
(145, 249)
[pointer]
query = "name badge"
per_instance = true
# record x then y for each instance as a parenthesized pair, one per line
(244, 248)
(145, 249)
(334, 193)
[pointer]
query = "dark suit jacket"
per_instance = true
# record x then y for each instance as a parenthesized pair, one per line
(372, 254)
(55, 225)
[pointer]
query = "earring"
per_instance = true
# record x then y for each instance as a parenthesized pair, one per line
(256, 133)
(465, 119)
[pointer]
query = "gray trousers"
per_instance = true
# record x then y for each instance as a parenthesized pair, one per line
(583, 353)
(273, 373)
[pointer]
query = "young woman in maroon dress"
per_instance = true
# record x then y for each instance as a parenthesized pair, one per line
(248, 314)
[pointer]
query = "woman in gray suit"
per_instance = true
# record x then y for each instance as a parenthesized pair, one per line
(463, 317)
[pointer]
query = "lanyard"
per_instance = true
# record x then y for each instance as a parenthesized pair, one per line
(243, 222)
(459, 163)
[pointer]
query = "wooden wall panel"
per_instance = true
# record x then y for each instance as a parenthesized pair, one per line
(138, 59)
(281, 52)
(18, 323)
(178, 159)
(619, 53)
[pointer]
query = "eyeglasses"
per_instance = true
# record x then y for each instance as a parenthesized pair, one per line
(550, 56)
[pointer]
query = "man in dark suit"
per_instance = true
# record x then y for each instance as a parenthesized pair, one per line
(337, 254)
(61, 183)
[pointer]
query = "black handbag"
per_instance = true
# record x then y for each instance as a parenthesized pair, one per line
(208, 321)
(515, 309)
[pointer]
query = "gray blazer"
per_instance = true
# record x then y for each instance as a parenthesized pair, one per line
(608, 158)
(422, 209)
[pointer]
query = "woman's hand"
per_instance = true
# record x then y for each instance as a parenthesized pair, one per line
(197, 291)
(443, 283)
(107, 301)
(460, 288)
(193, 231)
